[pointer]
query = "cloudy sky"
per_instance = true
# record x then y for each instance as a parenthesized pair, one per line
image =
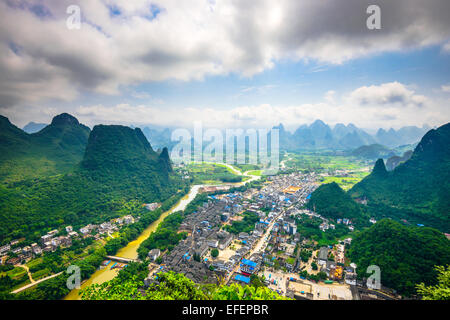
(226, 63)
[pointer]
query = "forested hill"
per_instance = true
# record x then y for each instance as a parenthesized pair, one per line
(55, 149)
(119, 170)
(406, 255)
(372, 151)
(418, 189)
(330, 201)
(115, 146)
(117, 152)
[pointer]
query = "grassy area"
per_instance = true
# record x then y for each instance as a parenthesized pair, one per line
(346, 182)
(247, 167)
(211, 173)
(255, 172)
(323, 161)
(344, 170)
(19, 277)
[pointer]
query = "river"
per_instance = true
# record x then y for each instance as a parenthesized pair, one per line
(130, 251)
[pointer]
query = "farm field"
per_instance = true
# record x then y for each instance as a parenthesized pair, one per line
(344, 170)
(212, 173)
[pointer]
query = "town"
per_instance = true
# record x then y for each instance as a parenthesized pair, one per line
(238, 236)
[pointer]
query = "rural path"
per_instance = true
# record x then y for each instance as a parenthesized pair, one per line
(35, 283)
(27, 270)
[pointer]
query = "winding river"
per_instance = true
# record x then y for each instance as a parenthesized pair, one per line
(130, 251)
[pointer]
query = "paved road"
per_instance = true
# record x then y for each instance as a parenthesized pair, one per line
(258, 246)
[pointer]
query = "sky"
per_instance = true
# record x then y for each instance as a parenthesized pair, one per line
(228, 64)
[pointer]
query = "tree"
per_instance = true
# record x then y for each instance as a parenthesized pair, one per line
(441, 291)
(322, 275)
(256, 281)
(196, 257)
(172, 286)
(314, 266)
(214, 253)
(406, 255)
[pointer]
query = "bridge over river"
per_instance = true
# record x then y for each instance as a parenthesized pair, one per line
(120, 259)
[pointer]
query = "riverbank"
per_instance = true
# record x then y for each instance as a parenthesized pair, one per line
(130, 250)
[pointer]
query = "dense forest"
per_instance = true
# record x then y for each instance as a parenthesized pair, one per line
(406, 255)
(53, 150)
(330, 201)
(118, 167)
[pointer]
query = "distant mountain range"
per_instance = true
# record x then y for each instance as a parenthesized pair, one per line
(159, 138)
(33, 127)
(376, 151)
(319, 135)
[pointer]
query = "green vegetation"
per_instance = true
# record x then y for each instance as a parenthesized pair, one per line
(418, 189)
(255, 172)
(345, 182)
(171, 286)
(330, 201)
(345, 170)
(405, 255)
(166, 236)
(11, 278)
(309, 228)
(211, 173)
(441, 291)
(55, 288)
(131, 232)
(53, 150)
(323, 162)
(119, 169)
(247, 167)
(305, 255)
(372, 151)
(313, 277)
(214, 253)
(247, 224)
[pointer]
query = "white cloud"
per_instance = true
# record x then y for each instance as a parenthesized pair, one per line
(446, 47)
(267, 115)
(330, 96)
(387, 94)
(41, 59)
(446, 88)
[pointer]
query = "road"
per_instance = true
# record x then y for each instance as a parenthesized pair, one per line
(259, 245)
(36, 282)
